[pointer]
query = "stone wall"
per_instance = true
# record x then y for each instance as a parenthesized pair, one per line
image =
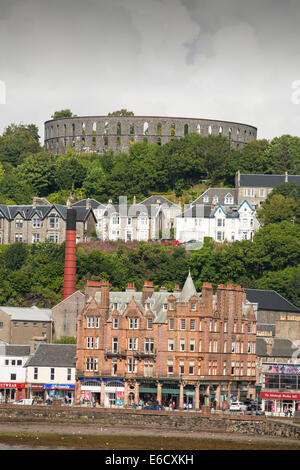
(164, 420)
(99, 133)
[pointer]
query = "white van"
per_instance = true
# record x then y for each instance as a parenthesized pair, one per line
(24, 401)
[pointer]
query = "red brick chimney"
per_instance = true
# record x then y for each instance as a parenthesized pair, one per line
(70, 254)
(104, 288)
(130, 287)
(148, 290)
(207, 297)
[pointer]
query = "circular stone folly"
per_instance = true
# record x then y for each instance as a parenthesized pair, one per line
(100, 133)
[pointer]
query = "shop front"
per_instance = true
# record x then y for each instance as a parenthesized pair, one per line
(37, 392)
(90, 391)
(147, 393)
(114, 393)
(280, 403)
(10, 391)
(64, 392)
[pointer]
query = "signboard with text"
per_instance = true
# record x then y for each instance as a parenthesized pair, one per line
(280, 395)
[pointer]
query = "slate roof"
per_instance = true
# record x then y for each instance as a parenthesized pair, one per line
(208, 211)
(270, 300)
(17, 350)
(280, 347)
(55, 355)
(221, 193)
(42, 211)
(132, 210)
(266, 181)
(28, 313)
(188, 289)
(157, 199)
(83, 202)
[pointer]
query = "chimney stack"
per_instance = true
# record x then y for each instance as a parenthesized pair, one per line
(70, 254)
(131, 287)
(148, 290)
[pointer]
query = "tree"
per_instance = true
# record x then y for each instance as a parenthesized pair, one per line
(94, 183)
(284, 154)
(121, 112)
(15, 256)
(276, 209)
(39, 171)
(69, 172)
(65, 340)
(18, 142)
(63, 113)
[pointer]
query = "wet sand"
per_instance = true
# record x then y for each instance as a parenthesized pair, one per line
(98, 437)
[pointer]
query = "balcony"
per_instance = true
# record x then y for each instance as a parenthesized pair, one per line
(115, 353)
(141, 354)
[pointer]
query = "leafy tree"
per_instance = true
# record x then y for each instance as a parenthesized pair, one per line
(15, 256)
(284, 154)
(17, 142)
(94, 183)
(276, 209)
(39, 171)
(63, 113)
(69, 172)
(121, 112)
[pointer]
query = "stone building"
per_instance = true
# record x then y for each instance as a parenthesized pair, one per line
(25, 325)
(65, 315)
(42, 221)
(256, 188)
(184, 347)
(150, 219)
(100, 133)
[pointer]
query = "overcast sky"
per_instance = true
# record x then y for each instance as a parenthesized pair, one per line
(233, 60)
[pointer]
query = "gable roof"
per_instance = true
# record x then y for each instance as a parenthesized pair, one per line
(83, 203)
(270, 300)
(28, 313)
(157, 199)
(188, 289)
(16, 350)
(220, 193)
(58, 355)
(266, 181)
(27, 212)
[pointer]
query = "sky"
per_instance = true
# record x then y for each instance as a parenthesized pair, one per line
(217, 59)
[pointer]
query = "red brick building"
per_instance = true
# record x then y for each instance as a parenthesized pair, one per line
(179, 347)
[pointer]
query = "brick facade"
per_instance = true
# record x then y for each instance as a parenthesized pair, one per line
(182, 346)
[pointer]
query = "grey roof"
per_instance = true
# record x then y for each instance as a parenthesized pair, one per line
(270, 300)
(279, 348)
(28, 313)
(157, 199)
(53, 355)
(83, 203)
(221, 193)
(188, 289)
(208, 211)
(17, 350)
(42, 211)
(266, 181)
(132, 210)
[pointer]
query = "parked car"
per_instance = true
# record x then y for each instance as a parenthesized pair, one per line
(153, 407)
(24, 401)
(252, 405)
(237, 406)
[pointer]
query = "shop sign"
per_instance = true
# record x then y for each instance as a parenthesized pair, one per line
(281, 369)
(12, 385)
(58, 386)
(280, 396)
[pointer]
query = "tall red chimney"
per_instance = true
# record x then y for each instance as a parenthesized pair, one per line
(70, 254)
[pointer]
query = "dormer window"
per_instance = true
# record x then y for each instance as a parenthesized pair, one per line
(215, 199)
(205, 199)
(171, 305)
(228, 199)
(193, 306)
(148, 306)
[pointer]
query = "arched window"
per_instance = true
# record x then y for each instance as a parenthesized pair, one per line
(94, 128)
(83, 142)
(73, 128)
(145, 128)
(118, 128)
(106, 141)
(209, 130)
(220, 130)
(172, 128)
(229, 132)
(83, 128)
(65, 129)
(238, 133)
(106, 128)
(94, 141)
(131, 129)
(198, 128)
(158, 128)
(186, 129)
(158, 141)
(118, 141)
